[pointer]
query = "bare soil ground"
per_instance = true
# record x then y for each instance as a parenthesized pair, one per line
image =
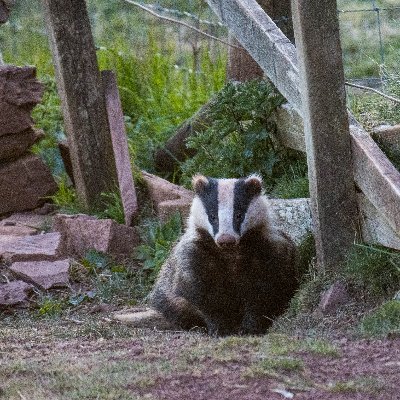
(92, 357)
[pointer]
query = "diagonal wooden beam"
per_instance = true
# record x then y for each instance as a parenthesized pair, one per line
(265, 42)
(276, 55)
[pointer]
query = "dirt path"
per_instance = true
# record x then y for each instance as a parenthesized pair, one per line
(95, 358)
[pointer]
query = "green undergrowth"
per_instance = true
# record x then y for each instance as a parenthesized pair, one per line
(99, 279)
(372, 277)
(240, 140)
(158, 239)
(384, 320)
(372, 109)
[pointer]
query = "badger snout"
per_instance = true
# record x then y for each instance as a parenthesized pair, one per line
(226, 240)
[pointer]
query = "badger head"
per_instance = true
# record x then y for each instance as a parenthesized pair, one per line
(227, 208)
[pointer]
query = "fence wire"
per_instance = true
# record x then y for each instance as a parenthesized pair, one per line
(374, 8)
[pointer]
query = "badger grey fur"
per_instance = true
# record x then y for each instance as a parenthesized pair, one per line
(232, 271)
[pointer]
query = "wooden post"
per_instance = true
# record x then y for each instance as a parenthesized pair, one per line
(241, 66)
(120, 146)
(82, 98)
(326, 126)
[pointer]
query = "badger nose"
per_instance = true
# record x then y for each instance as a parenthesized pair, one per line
(226, 240)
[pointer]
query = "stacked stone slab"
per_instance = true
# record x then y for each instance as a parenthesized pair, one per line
(25, 181)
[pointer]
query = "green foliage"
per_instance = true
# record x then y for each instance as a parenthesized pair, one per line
(66, 198)
(111, 282)
(360, 38)
(239, 141)
(50, 306)
(373, 270)
(294, 181)
(95, 262)
(372, 110)
(157, 94)
(383, 321)
(47, 116)
(113, 207)
(159, 239)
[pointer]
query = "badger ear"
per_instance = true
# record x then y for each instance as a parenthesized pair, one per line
(199, 183)
(254, 185)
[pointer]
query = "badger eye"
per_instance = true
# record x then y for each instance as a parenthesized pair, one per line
(238, 216)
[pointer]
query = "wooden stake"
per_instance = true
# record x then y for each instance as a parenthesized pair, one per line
(82, 98)
(326, 127)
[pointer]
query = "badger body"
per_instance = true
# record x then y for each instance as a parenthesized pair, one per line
(232, 271)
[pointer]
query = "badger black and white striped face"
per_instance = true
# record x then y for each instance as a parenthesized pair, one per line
(227, 208)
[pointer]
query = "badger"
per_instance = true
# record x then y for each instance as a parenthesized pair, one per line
(232, 271)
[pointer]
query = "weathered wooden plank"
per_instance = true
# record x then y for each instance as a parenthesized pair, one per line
(294, 218)
(263, 40)
(375, 175)
(82, 98)
(326, 128)
(120, 146)
(374, 227)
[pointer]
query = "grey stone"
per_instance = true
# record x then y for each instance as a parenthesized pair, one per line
(293, 217)
(14, 293)
(30, 248)
(44, 274)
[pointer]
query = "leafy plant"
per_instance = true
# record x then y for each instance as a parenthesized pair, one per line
(159, 239)
(113, 207)
(50, 306)
(66, 198)
(240, 139)
(95, 261)
(158, 94)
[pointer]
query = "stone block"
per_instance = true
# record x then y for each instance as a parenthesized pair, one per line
(20, 91)
(14, 145)
(334, 297)
(17, 230)
(14, 294)
(387, 137)
(24, 184)
(31, 248)
(81, 233)
(44, 274)
(29, 219)
(289, 127)
(293, 217)
(167, 198)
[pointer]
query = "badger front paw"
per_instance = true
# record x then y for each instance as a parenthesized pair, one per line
(254, 324)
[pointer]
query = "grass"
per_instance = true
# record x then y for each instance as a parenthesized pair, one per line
(372, 276)
(373, 271)
(360, 37)
(383, 321)
(360, 385)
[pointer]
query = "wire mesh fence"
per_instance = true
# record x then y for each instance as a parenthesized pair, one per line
(370, 32)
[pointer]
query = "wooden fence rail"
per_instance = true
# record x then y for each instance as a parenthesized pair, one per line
(373, 173)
